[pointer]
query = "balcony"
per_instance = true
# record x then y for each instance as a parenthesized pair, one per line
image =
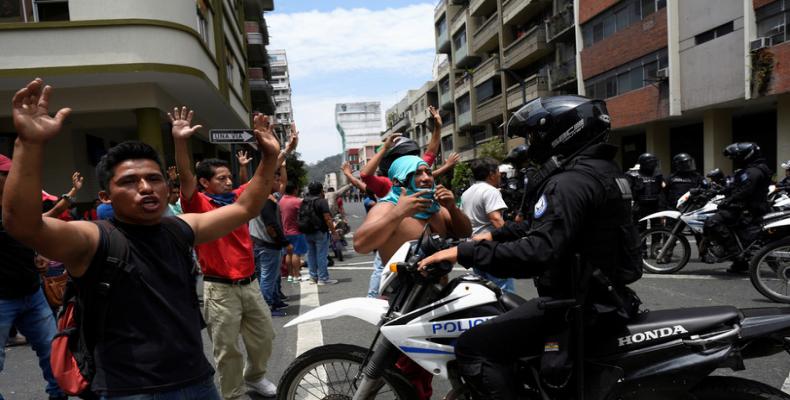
(486, 36)
(560, 24)
(401, 125)
(458, 22)
(467, 152)
(448, 129)
(443, 69)
(441, 8)
(463, 59)
(480, 8)
(486, 70)
(489, 110)
(257, 7)
(562, 74)
(258, 80)
(443, 42)
(519, 11)
(445, 99)
(281, 86)
(526, 49)
(462, 86)
(464, 120)
(536, 86)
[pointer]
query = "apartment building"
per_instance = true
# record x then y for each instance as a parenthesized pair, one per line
(123, 64)
(281, 85)
(689, 76)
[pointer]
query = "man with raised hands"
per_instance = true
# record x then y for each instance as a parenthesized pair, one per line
(151, 343)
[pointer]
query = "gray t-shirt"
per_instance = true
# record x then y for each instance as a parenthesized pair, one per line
(477, 202)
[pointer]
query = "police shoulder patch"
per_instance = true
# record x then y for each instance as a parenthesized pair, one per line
(541, 206)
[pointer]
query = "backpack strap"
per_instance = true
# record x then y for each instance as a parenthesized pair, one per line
(171, 226)
(116, 260)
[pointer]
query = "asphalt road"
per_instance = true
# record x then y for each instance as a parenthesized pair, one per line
(696, 285)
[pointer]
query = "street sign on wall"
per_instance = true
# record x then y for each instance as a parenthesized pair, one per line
(231, 136)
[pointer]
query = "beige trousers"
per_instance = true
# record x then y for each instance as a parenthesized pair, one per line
(231, 310)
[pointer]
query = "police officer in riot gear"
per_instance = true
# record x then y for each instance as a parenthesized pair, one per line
(583, 208)
(718, 181)
(647, 186)
(746, 202)
(684, 178)
(514, 188)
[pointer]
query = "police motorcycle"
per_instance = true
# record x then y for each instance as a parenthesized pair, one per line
(769, 268)
(656, 355)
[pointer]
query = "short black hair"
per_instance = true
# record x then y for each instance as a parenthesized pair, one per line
(483, 167)
(174, 184)
(208, 167)
(128, 150)
(315, 188)
(291, 188)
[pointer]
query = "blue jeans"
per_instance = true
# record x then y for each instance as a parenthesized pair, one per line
(375, 277)
(506, 284)
(317, 249)
(200, 391)
(33, 318)
(268, 260)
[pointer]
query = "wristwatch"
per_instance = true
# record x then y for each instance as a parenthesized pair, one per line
(68, 198)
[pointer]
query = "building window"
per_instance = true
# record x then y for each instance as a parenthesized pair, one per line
(772, 21)
(441, 26)
(51, 10)
(488, 89)
(459, 40)
(202, 22)
(617, 18)
(229, 65)
(713, 33)
(628, 77)
(463, 104)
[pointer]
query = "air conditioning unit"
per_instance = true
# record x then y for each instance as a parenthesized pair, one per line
(662, 73)
(760, 43)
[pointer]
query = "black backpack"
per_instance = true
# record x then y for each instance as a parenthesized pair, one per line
(307, 219)
(81, 322)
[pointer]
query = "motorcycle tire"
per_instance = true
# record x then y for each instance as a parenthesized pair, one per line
(762, 271)
(396, 386)
(651, 262)
(733, 388)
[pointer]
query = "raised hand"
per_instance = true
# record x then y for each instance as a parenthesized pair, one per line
(413, 204)
(172, 173)
(390, 140)
(437, 119)
(76, 181)
(444, 196)
(453, 158)
(264, 134)
(182, 123)
(31, 113)
(241, 155)
(293, 139)
(346, 168)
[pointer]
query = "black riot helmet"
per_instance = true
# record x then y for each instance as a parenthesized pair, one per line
(742, 154)
(683, 162)
(518, 156)
(716, 176)
(560, 125)
(401, 147)
(648, 163)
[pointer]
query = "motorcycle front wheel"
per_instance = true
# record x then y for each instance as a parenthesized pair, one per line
(663, 252)
(769, 271)
(733, 388)
(332, 372)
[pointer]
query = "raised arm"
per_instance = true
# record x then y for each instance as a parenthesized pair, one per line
(217, 223)
(244, 166)
(293, 141)
(436, 136)
(63, 204)
(182, 131)
(346, 168)
(369, 169)
(73, 243)
(448, 165)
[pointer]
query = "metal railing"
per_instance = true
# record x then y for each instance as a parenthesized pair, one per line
(559, 23)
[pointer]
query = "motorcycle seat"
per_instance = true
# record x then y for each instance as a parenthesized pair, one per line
(654, 327)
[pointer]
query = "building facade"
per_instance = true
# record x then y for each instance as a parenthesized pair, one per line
(281, 85)
(358, 123)
(122, 65)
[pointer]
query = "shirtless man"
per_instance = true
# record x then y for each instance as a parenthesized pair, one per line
(402, 214)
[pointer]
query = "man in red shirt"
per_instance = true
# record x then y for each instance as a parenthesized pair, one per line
(233, 306)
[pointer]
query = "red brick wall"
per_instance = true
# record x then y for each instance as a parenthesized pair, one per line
(640, 38)
(638, 106)
(780, 75)
(759, 3)
(591, 8)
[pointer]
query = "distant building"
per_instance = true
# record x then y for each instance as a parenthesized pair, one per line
(281, 84)
(358, 123)
(352, 156)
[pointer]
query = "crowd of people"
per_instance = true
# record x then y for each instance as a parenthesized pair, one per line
(248, 237)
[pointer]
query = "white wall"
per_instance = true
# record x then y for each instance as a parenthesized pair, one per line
(178, 11)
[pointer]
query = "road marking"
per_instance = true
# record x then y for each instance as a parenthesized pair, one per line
(693, 277)
(309, 335)
(786, 385)
(353, 263)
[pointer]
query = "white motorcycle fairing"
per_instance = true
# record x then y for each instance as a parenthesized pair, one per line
(416, 336)
(777, 224)
(364, 308)
(662, 214)
(387, 275)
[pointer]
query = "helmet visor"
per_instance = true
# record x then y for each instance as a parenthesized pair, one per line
(527, 119)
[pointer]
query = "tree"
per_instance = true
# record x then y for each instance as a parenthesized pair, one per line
(494, 148)
(297, 172)
(462, 178)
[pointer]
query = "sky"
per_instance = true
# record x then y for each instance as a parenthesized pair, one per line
(348, 51)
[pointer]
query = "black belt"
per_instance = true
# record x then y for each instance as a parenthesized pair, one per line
(242, 281)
